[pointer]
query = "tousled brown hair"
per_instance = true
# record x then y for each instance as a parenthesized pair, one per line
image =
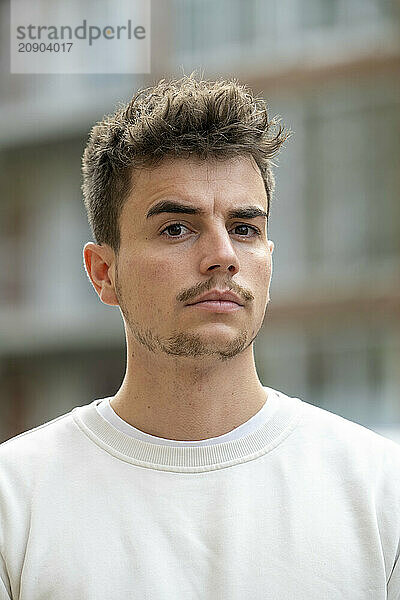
(178, 118)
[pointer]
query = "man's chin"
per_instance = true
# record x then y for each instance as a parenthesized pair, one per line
(216, 342)
(196, 345)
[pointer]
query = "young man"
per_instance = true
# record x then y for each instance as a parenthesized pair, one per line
(194, 480)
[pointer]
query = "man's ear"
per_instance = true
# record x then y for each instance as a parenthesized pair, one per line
(99, 261)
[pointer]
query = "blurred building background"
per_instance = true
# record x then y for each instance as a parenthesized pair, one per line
(332, 331)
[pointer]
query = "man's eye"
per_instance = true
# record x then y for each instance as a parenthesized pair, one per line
(174, 230)
(247, 228)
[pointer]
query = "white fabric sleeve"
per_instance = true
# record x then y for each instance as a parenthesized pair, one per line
(5, 588)
(393, 586)
(391, 494)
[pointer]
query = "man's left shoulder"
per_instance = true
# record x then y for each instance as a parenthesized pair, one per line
(349, 436)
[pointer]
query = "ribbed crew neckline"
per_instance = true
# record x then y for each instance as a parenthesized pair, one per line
(271, 404)
(191, 459)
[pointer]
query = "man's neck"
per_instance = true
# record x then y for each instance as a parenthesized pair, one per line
(186, 399)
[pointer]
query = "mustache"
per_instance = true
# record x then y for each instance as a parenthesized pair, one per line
(200, 288)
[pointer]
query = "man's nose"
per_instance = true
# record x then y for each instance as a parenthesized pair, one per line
(218, 253)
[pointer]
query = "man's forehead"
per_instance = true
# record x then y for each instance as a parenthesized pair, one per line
(181, 169)
(188, 179)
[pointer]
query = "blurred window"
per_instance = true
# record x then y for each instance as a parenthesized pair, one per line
(319, 13)
(14, 224)
(349, 372)
(352, 166)
(243, 34)
(343, 13)
(204, 24)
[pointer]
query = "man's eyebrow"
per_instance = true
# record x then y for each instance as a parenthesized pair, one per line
(169, 206)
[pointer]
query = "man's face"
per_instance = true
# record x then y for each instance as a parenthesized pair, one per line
(168, 259)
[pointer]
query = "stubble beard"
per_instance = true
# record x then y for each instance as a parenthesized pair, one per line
(181, 343)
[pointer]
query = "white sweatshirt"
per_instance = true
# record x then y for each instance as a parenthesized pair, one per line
(304, 506)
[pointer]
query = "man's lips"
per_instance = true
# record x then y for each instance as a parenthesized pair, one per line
(224, 297)
(219, 306)
(217, 301)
